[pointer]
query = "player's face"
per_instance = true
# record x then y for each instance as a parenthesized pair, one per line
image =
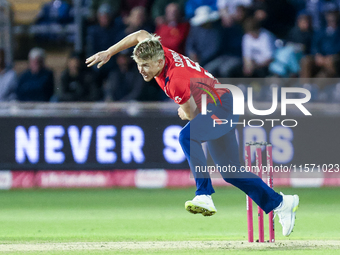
(149, 68)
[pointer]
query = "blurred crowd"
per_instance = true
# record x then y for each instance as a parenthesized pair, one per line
(229, 38)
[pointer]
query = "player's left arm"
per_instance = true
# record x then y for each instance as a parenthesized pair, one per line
(188, 110)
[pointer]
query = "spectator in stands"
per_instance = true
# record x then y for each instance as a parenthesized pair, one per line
(229, 64)
(174, 31)
(50, 20)
(192, 5)
(204, 42)
(286, 62)
(325, 49)
(242, 13)
(302, 33)
(159, 7)
(287, 58)
(316, 9)
(102, 36)
(36, 83)
(128, 5)
(158, 11)
(230, 11)
(258, 46)
(55, 12)
(78, 84)
(137, 20)
(8, 80)
(124, 83)
(93, 6)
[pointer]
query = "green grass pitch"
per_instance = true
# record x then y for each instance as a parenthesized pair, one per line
(119, 215)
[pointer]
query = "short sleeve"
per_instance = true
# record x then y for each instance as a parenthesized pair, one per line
(180, 90)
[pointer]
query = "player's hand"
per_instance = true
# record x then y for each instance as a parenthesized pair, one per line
(101, 57)
(182, 114)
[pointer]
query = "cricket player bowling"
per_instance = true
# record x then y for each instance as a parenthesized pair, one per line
(185, 81)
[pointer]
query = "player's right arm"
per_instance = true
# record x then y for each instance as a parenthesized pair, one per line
(131, 40)
(188, 110)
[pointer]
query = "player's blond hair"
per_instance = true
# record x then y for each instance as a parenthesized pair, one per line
(150, 48)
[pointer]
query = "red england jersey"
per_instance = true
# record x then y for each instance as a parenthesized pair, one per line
(182, 78)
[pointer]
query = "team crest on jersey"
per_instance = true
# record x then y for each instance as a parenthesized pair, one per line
(178, 99)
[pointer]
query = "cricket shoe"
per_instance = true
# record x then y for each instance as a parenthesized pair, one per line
(201, 204)
(287, 212)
